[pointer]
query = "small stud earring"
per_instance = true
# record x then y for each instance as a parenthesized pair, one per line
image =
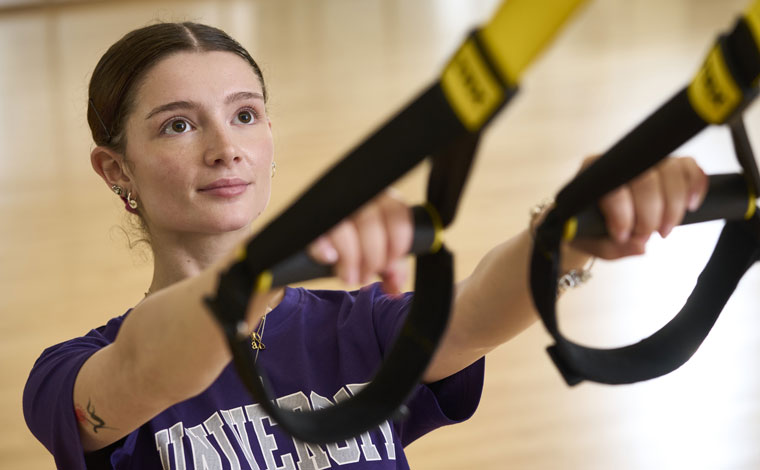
(117, 189)
(274, 168)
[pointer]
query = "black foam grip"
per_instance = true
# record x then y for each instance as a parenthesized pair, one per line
(728, 197)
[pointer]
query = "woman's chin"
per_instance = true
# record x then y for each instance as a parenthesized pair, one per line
(237, 226)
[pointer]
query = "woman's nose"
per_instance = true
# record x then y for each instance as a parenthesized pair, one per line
(221, 148)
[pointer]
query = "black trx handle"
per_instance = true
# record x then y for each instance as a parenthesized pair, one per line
(729, 197)
(723, 88)
(444, 124)
(301, 267)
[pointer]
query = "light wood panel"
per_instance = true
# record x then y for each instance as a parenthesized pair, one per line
(335, 69)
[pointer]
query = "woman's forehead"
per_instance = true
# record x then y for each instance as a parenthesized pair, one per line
(197, 76)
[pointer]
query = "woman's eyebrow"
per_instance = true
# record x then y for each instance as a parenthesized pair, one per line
(242, 95)
(175, 105)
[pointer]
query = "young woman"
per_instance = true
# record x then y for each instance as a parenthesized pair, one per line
(178, 113)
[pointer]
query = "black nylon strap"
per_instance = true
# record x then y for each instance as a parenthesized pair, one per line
(386, 155)
(736, 251)
(444, 123)
(421, 129)
(742, 54)
(667, 128)
(658, 135)
(384, 395)
(428, 127)
(674, 123)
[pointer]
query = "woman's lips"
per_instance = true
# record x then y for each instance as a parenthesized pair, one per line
(225, 187)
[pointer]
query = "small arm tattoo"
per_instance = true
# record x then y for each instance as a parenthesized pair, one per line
(89, 416)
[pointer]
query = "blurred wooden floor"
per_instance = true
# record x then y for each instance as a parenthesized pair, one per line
(336, 69)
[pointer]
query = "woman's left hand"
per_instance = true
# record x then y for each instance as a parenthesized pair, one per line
(656, 201)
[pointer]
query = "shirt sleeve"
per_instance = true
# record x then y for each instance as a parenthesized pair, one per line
(448, 401)
(48, 399)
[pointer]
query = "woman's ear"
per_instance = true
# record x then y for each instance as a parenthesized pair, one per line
(110, 166)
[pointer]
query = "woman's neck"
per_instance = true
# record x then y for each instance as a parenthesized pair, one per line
(177, 258)
(176, 261)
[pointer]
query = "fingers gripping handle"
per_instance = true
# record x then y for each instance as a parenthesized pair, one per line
(301, 267)
(729, 197)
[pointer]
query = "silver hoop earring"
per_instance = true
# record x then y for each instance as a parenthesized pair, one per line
(274, 168)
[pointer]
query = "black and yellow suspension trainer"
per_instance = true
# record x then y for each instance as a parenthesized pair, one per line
(719, 93)
(444, 124)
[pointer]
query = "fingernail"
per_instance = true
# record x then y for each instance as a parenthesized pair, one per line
(694, 202)
(665, 230)
(329, 253)
(621, 236)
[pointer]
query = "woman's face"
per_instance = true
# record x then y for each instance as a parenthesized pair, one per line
(199, 145)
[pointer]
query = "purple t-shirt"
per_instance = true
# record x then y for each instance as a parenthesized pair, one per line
(321, 347)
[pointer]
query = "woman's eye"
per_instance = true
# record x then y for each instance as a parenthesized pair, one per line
(178, 126)
(245, 117)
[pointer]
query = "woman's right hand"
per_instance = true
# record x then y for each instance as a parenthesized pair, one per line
(372, 241)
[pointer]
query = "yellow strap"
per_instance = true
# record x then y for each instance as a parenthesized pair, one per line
(518, 31)
(521, 29)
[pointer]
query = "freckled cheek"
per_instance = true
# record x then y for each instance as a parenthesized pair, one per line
(261, 148)
(169, 185)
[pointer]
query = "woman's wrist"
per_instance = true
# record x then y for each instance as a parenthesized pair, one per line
(576, 264)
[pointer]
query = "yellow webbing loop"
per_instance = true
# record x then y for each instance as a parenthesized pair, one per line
(263, 282)
(751, 206)
(515, 35)
(713, 93)
(435, 218)
(570, 229)
(241, 253)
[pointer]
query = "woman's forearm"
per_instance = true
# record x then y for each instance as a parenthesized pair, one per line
(168, 349)
(492, 305)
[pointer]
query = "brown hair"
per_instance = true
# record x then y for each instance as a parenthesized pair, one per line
(114, 79)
